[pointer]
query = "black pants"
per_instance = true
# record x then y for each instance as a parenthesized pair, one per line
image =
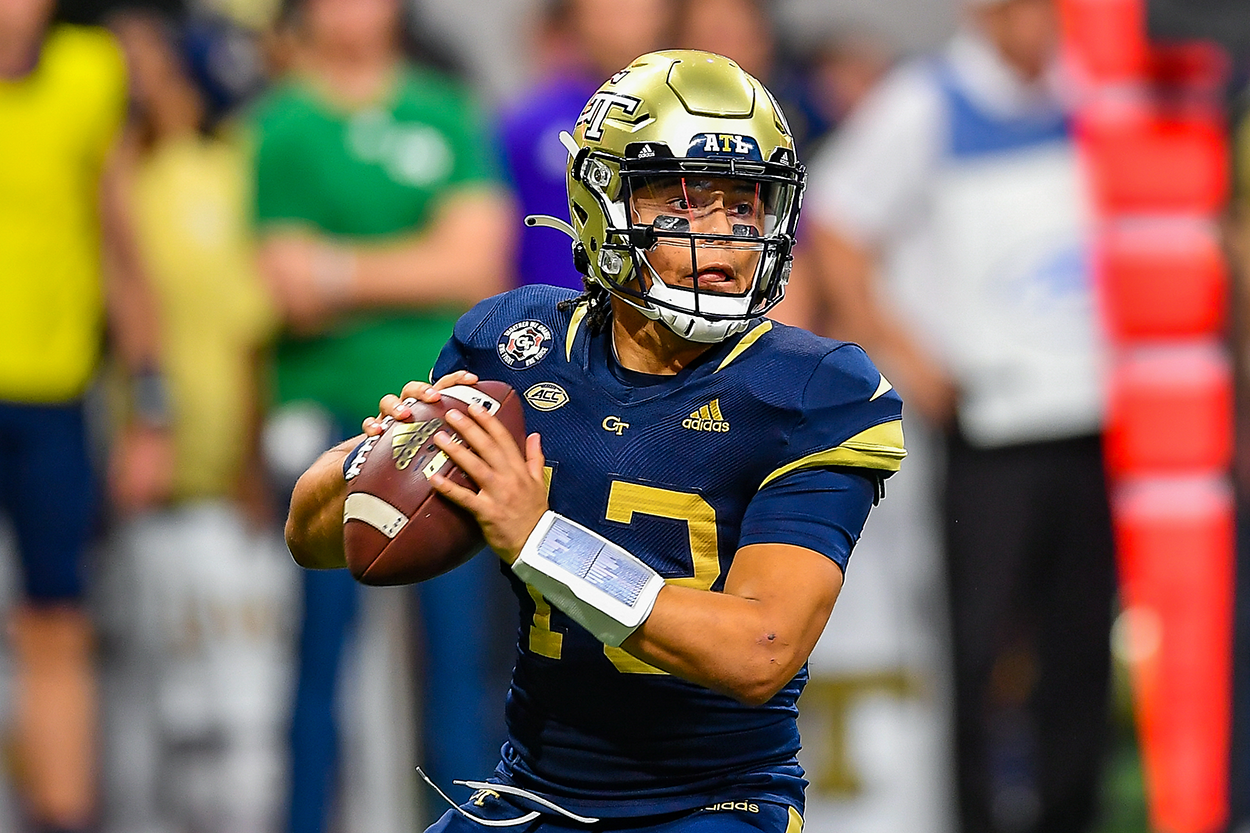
(1031, 577)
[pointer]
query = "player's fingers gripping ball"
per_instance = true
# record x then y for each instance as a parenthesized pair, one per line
(396, 528)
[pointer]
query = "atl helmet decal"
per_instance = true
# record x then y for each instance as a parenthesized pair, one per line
(524, 344)
(703, 145)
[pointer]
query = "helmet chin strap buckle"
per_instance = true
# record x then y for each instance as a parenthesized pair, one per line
(547, 221)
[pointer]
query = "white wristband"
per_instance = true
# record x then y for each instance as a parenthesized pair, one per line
(597, 584)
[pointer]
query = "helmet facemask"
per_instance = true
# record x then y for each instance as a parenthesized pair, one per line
(707, 241)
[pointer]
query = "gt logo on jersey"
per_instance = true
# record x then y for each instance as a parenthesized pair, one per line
(615, 425)
(724, 144)
(600, 106)
(707, 418)
(524, 344)
(547, 396)
(408, 438)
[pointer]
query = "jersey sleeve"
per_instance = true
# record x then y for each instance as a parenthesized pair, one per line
(820, 509)
(461, 352)
(850, 417)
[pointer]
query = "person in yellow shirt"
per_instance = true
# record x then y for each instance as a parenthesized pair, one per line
(200, 589)
(62, 101)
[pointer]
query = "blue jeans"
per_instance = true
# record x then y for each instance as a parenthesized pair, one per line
(462, 678)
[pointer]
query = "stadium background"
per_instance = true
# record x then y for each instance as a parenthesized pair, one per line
(482, 37)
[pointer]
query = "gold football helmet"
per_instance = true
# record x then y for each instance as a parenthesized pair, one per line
(689, 121)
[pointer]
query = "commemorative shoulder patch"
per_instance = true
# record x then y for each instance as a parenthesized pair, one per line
(524, 344)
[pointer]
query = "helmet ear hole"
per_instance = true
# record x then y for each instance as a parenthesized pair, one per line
(575, 170)
(581, 261)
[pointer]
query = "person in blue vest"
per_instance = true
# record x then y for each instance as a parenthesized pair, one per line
(952, 228)
(677, 524)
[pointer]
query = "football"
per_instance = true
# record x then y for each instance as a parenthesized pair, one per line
(396, 528)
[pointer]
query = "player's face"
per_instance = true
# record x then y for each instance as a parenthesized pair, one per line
(712, 206)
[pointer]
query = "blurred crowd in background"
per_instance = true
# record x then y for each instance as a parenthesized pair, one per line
(230, 226)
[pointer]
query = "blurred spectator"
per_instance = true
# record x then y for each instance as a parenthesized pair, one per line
(580, 44)
(959, 184)
(62, 102)
(1239, 799)
(740, 29)
(747, 31)
(842, 71)
(381, 220)
(196, 695)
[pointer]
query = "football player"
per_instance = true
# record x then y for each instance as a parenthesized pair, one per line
(677, 526)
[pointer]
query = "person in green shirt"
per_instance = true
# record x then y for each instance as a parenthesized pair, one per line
(380, 219)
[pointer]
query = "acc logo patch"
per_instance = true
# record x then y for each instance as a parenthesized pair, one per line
(547, 396)
(524, 344)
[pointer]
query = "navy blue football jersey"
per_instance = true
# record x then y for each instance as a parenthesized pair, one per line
(773, 436)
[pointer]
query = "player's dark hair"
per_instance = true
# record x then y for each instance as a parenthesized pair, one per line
(598, 301)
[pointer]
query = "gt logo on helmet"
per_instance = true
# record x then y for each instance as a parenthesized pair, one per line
(600, 107)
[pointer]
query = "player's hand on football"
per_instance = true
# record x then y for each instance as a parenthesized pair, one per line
(512, 493)
(396, 407)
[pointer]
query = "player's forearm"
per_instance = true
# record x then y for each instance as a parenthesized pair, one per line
(748, 648)
(462, 259)
(747, 641)
(314, 525)
(722, 642)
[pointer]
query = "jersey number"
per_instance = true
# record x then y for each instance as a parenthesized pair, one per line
(625, 500)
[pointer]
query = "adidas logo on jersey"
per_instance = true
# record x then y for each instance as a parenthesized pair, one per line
(707, 418)
(739, 806)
